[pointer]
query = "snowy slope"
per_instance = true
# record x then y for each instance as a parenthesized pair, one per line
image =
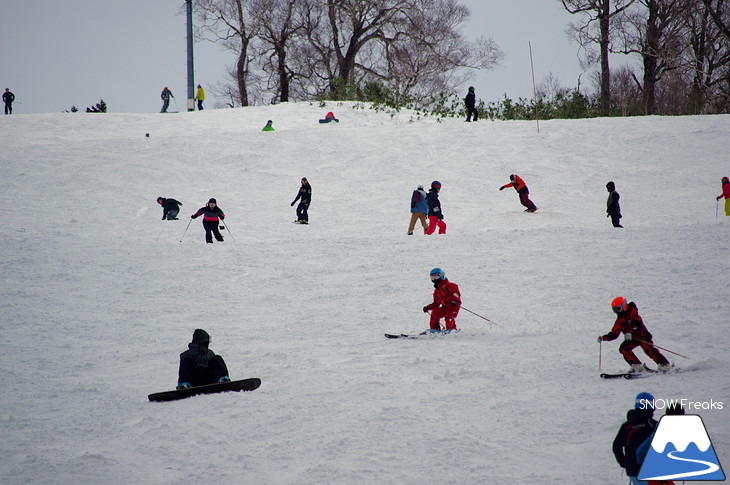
(99, 296)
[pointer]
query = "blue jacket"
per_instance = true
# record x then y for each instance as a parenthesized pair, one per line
(418, 202)
(434, 205)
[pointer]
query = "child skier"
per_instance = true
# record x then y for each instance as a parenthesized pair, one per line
(199, 365)
(521, 188)
(435, 215)
(629, 322)
(304, 196)
(211, 214)
(726, 194)
(446, 302)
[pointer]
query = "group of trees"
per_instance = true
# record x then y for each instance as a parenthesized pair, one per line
(342, 49)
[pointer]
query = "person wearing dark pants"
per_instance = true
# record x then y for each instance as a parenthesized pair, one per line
(304, 196)
(212, 215)
(199, 365)
(8, 98)
(524, 193)
(613, 209)
(170, 208)
(470, 100)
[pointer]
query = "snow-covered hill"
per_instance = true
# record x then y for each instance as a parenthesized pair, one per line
(99, 296)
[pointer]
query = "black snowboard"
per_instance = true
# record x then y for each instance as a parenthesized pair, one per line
(242, 385)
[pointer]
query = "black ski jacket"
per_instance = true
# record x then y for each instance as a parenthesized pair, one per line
(638, 427)
(305, 194)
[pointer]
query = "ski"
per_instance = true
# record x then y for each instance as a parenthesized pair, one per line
(427, 333)
(625, 375)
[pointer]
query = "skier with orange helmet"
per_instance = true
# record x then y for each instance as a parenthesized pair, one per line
(725, 194)
(629, 322)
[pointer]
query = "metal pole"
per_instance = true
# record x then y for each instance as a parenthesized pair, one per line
(534, 90)
(191, 81)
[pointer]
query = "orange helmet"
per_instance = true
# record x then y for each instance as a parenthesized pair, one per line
(619, 304)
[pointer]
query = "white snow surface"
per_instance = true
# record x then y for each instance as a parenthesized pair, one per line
(99, 296)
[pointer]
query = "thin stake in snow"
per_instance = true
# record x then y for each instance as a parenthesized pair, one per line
(534, 90)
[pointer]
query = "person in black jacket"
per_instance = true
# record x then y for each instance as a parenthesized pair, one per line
(638, 427)
(304, 196)
(199, 365)
(170, 208)
(165, 95)
(613, 209)
(8, 98)
(211, 215)
(471, 101)
(435, 215)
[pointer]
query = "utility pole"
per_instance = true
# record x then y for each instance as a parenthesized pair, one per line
(191, 75)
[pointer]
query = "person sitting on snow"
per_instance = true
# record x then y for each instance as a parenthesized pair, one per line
(329, 117)
(199, 365)
(268, 126)
(170, 208)
(629, 322)
(446, 302)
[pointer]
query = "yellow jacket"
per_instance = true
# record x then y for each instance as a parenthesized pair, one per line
(200, 94)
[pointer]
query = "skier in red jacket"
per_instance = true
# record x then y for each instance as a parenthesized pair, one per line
(521, 188)
(446, 301)
(629, 322)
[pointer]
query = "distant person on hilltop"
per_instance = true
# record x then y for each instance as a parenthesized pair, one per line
(329, 117)
(199, 365)
(435, 214)
(613, 208)
(304, 196)
(446, 302)
(8, 98)
(726, 194)
(212, 215)
(470, 102)
(200, 97)
(522, 190)
(166, 95)
(419, 209)
(639, 425)
(269, 126)
(170, 208)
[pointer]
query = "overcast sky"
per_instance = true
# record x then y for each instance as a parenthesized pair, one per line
(55, 54)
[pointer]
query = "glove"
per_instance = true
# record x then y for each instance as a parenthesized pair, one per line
(501, 188)
(718, 197)
(426, 309)
(627, 337)
(222, 217)
(454, 302)
(221, 227)
(292, 204)
(600, 338)
(193, 216)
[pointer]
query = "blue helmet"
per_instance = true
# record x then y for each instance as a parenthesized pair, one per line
(437, 273)
(644, 400)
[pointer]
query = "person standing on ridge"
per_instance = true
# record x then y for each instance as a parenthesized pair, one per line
(629, 322)
(419, 209)
(726, 194)
(446, 302)
(435, 215)
(8, 98)
(199, 365)
(304, 196)
(200, 97)
(613, 208)
(166, 95)
(470, 100)
(522, 190)
(212, 215)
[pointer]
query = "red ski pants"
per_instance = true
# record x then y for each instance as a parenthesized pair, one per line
(627, 350)
(434, 221)
(448, 314)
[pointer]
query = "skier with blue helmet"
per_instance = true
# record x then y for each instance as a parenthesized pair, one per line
(639, 425)
(446, 302)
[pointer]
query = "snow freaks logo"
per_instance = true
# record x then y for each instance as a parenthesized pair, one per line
(681, 450)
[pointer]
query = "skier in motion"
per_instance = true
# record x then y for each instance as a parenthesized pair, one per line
(629, 322)
(446, 302)
(304, 196)
(211, 215)
(522, 190)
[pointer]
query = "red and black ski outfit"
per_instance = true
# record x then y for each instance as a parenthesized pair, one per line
(446, 304)
(522, 190)
(638, 427)
(629, 322)
(211, 216)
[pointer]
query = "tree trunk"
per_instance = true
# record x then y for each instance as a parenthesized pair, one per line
(604, 17)
(241, 69)
(651, 48)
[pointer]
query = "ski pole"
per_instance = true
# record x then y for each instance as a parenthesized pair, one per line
(229, 231)
(661, 348)
(717, 207)
(178, 109)
(483, 318)
(186, 230)
(600, 349)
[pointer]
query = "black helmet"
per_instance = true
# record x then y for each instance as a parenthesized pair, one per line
(201, 337)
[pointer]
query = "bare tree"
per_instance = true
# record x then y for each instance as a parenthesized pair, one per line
(597, 12)
(719, 10)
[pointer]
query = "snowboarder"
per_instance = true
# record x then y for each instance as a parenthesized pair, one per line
(200, 97)
(629, 322)
(199, 365)
(639, 425)
(170, 208)
(211, 215)
(470, 101)
(419, 209)
(8, 98)
(166, 95)
(268, 126)
(521, 188)
(613, 209)
(304, 196)
(726, 194)
(435, 215)
(446, 302)
(329, 117)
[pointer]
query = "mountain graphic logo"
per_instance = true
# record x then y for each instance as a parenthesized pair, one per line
(681, 450)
